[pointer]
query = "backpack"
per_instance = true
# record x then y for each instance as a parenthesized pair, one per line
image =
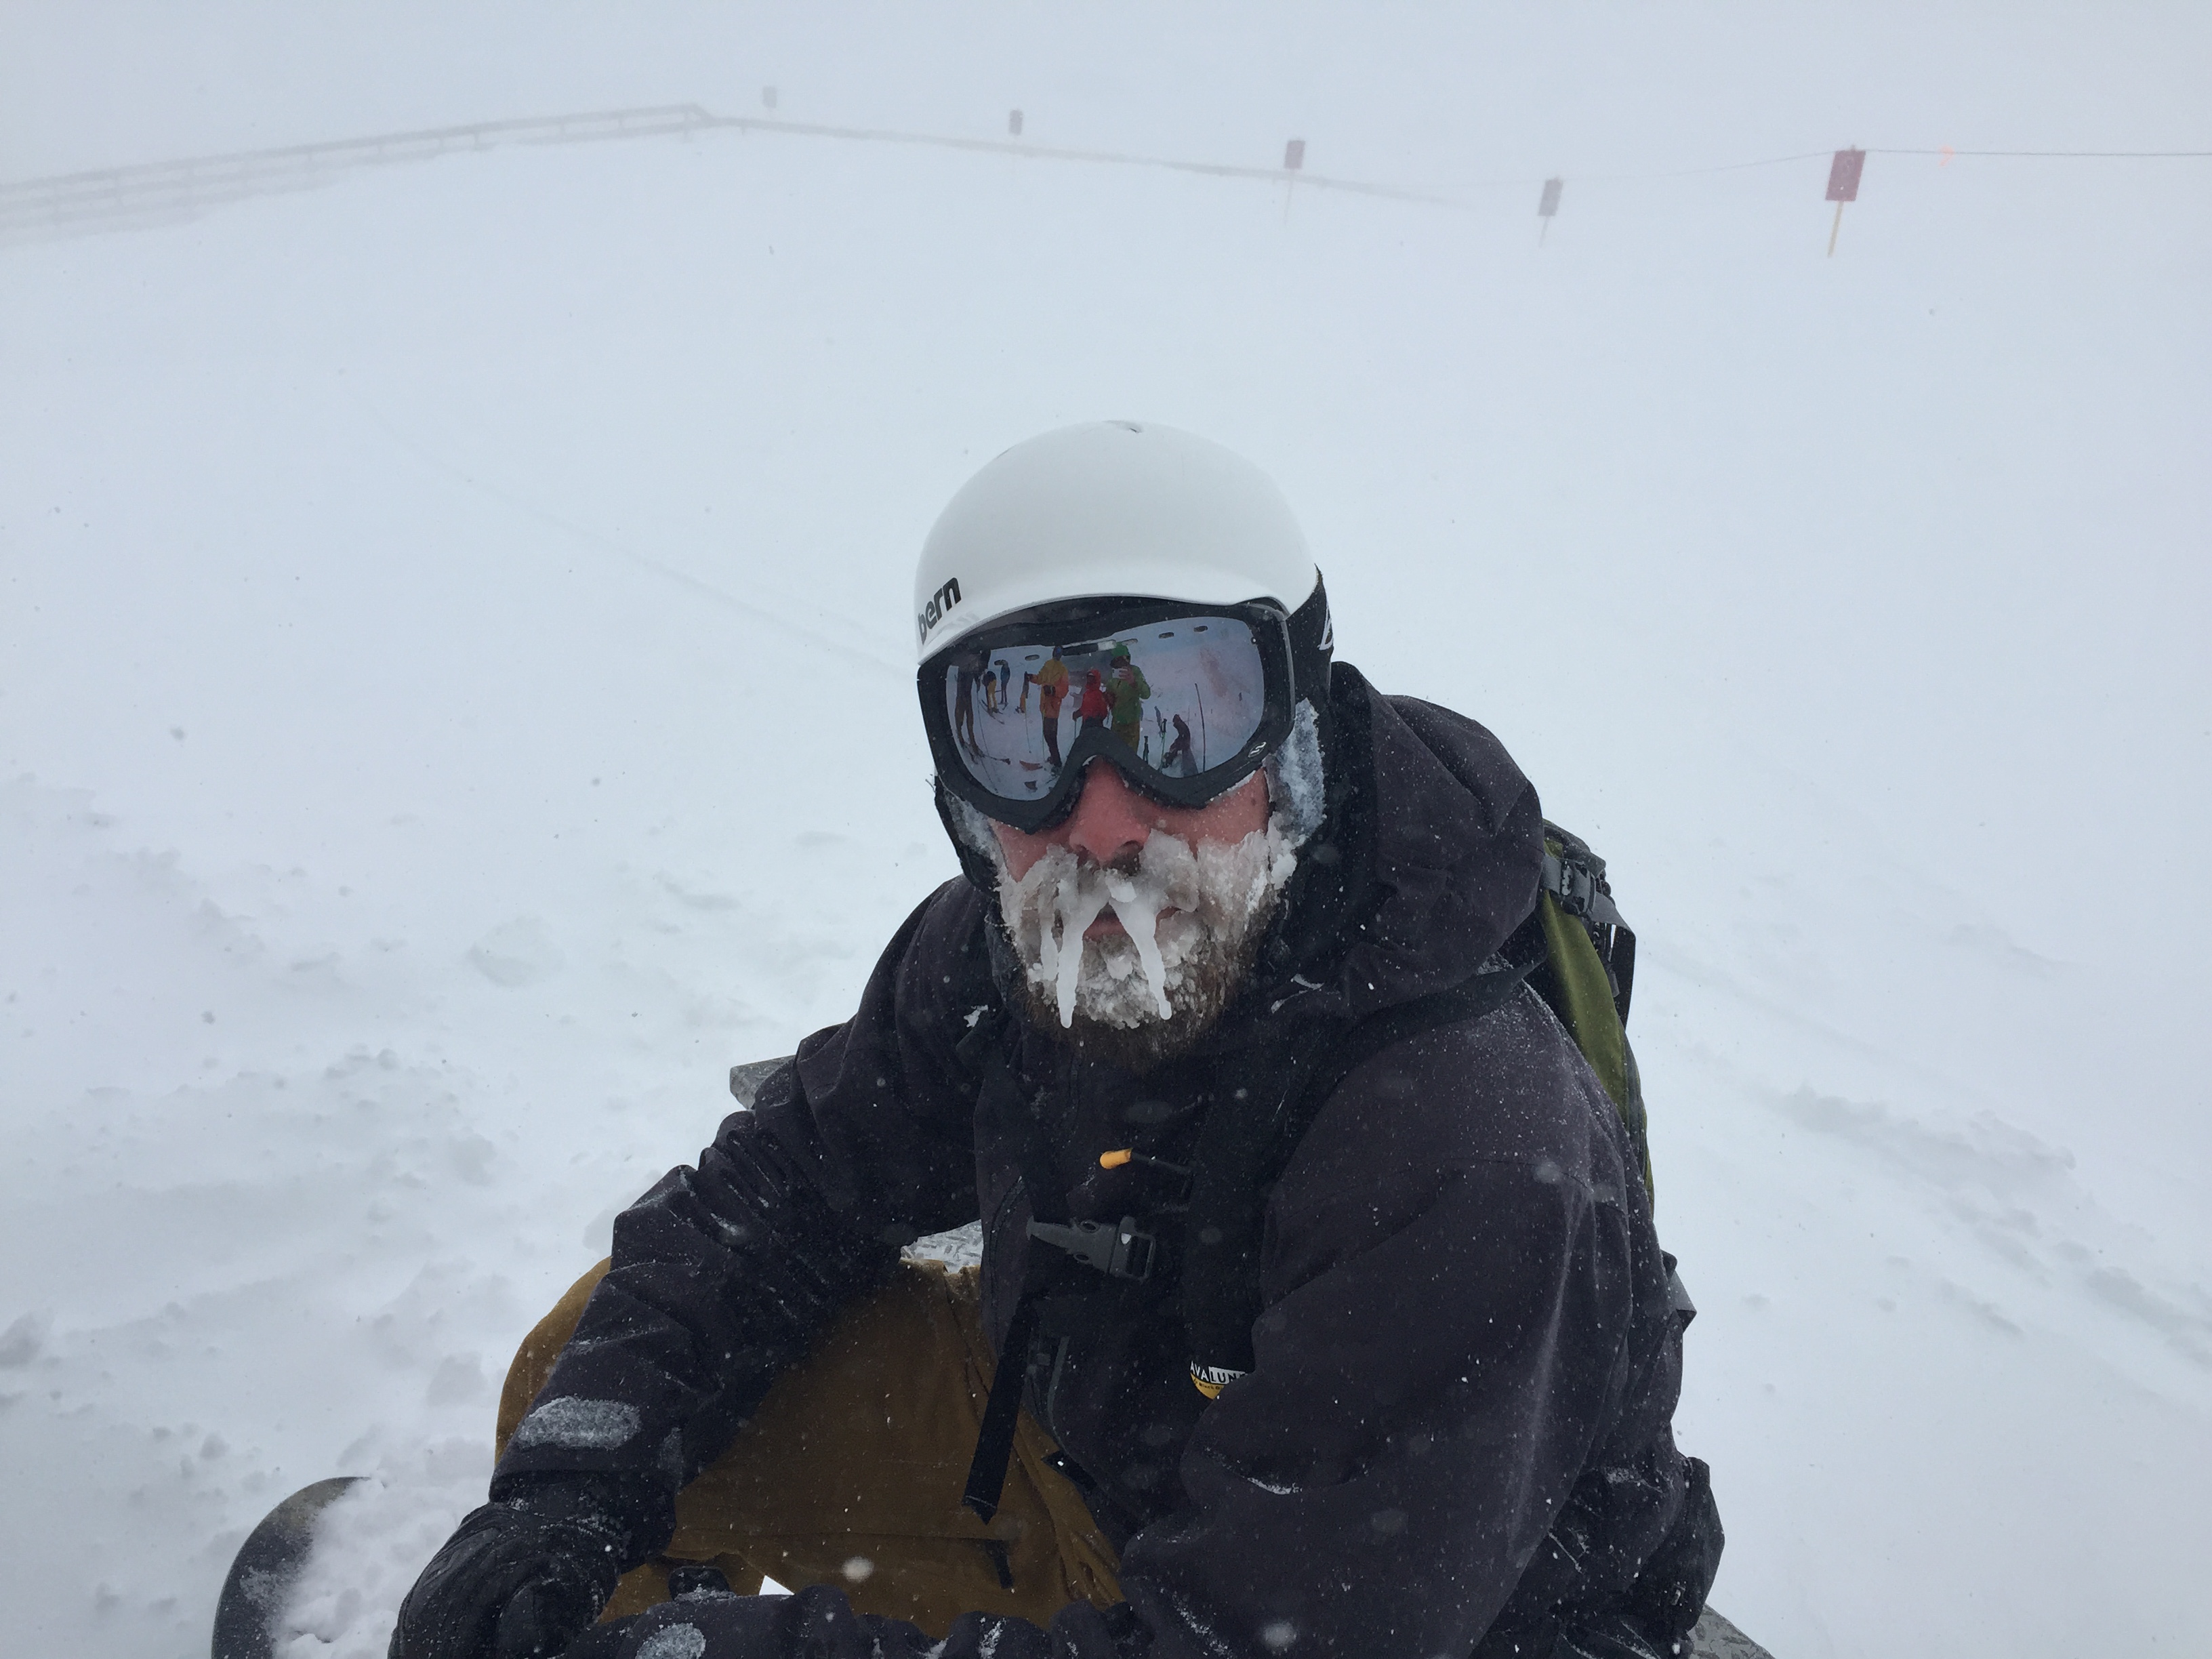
(1587, 973)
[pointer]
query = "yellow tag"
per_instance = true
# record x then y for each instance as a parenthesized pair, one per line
(1210, 1380)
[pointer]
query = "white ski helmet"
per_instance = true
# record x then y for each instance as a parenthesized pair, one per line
(1107, 510)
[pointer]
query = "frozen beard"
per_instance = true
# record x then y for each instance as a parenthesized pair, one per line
(1192, 920)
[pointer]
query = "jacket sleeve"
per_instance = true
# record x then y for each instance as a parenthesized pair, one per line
(722, 1273)
(1451, 1294)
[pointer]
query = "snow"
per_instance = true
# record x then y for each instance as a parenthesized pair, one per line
(1213, 895)
(369, 1545)
(674, 1642)
(598, 1424)
(455, 700)
(1296, 784)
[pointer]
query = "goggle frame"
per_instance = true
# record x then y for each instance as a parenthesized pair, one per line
(1269, 621)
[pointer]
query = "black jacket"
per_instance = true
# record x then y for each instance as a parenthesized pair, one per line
(1456, 1437)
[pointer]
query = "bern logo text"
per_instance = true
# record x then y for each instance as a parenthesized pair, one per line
(940, 602)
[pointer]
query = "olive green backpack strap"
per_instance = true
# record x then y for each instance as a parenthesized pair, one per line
(1589, 972)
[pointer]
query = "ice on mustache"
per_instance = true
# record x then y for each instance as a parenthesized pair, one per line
(1176, 903)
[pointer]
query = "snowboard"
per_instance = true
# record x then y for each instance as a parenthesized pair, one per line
(268, 1563)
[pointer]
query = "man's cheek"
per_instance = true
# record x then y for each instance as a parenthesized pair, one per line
(1021, 852)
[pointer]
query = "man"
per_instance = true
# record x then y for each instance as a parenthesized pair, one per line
(1321, 1310)
(969, 670)
(1051, 681)
(1127, 689)
(1178, 761)
(1095, 709)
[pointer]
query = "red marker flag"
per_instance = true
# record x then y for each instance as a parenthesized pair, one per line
(1843, 186)
(1294, 155)
(1014, 122)
(1547, 207)
(1843, 175)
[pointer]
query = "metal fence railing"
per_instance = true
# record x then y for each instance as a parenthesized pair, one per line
(156, 191)
(113, 198)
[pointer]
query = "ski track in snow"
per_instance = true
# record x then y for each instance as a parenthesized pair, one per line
(456, 706)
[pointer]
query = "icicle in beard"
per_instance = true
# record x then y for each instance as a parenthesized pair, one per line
(1192, 920)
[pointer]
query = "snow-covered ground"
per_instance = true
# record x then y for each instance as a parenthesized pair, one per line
(454, 700)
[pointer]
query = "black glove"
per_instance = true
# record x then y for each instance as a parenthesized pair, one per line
(510, 1584)
(819, 1623)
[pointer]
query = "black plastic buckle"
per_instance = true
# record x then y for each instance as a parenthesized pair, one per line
(1119, 1252)
(1581, 890)
(1569, 884)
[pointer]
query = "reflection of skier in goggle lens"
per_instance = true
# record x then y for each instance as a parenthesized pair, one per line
(1156, 608)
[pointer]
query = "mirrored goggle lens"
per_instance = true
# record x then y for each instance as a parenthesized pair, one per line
(1187, 695)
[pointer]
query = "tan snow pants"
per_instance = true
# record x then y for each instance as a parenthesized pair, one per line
(851, 1472)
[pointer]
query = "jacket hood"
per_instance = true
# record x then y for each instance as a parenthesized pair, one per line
(1428, 860)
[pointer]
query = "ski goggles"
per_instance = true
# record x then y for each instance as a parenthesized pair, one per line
(1186, 701)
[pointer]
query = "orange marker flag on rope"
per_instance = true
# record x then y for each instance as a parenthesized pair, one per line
(1843, 186)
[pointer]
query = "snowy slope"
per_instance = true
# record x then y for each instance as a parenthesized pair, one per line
(454, 700)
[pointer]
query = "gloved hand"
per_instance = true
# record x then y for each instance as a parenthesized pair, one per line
(819, 1623)
(510, 1584)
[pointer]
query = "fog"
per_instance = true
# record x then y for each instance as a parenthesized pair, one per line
(447, 608)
